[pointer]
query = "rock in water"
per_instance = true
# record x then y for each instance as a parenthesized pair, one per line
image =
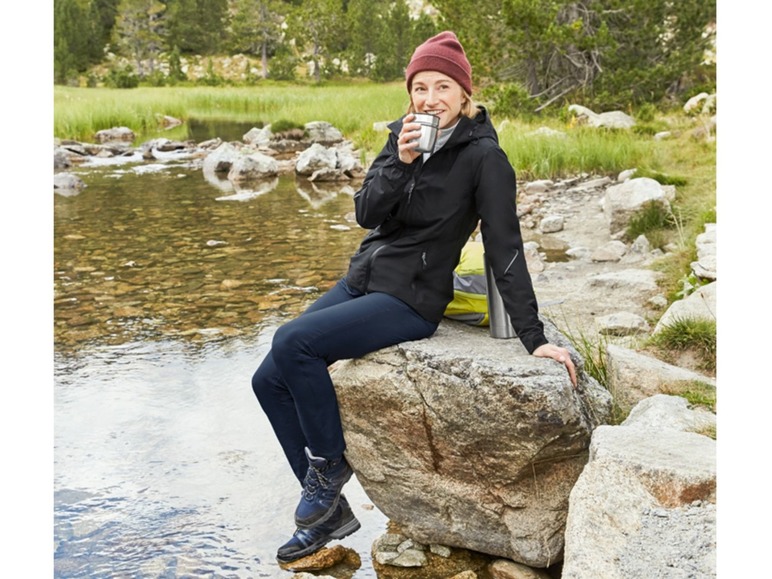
(467, 441)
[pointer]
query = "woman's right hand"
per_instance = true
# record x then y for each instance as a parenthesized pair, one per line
(408, 139)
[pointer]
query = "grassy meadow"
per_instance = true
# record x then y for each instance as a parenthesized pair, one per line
(353, 107)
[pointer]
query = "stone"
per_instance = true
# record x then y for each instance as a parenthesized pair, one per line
(323, 132)
(622, 201)
(67, 184)
(251, 167)
(503, 569)
(626, 175)
(634, 376)
(120, 134)
(673, 412)
(637, 280)
(694, 104)
(468, 574)
(552, 224)
(221, 159)
(440, 550)
(258, 137)
(61, 158)
(706, 265)
(314, 158)
(701, 304)
(644, 506)
(621, 324)
(324, 559)
(612, 251)
(540, 186)
(416, 416)
(611, 119)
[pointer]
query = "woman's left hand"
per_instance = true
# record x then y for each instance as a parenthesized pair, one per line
(559, 354)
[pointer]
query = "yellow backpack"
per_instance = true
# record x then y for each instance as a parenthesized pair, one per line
(470, 290)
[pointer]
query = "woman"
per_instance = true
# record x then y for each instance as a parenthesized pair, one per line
(421, 210)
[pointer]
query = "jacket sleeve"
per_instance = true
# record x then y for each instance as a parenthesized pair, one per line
(495, 197)
(385, 184)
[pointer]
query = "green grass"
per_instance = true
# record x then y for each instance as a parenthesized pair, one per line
(353, 107)
(580, 150)
(696, 393)
(693, 335)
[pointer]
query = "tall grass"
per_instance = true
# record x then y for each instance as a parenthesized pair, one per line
(352, 108)
(578, 150)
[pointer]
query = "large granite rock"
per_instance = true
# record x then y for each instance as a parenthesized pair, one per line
(645, 504)
(467, 441)
(624, 200)
(633, 376)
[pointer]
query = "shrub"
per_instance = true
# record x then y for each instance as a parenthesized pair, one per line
(663, 178)
(122, 78)
(284, 125)
(508, 100)
(650, 220)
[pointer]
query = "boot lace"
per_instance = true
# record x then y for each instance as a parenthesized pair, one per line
(314, 479)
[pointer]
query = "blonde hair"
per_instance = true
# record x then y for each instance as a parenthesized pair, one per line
(468, 109)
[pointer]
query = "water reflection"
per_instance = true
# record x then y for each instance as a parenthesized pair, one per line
(154, 250)
(166, 296)
(166, 467)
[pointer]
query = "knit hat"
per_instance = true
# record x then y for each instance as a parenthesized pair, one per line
(444, 54)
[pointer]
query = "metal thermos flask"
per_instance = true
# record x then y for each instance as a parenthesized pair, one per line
(500, 324)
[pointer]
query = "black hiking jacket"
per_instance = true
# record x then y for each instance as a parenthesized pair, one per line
(421, 215)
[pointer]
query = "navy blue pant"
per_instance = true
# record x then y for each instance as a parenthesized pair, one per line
(292, 383)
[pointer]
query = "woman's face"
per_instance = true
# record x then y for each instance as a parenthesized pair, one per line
(435, 93)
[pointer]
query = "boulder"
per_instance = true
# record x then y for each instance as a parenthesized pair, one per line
(621, 324)
(119, 134)
(323, 133)
(251, 167)
(552, 223)
(258, 137)
(611, 119)
(625, 199)
(706, 265)
(221, 159)
(61, 158)
(314, 158)
(634, 376)
(67, 184)
(614, 250)
(698, 305)
(467, 441)
(644, 506)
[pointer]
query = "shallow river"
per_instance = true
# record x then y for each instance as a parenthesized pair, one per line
(168, 288)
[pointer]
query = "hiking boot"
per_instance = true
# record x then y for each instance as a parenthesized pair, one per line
(306, 541)
(321, 489)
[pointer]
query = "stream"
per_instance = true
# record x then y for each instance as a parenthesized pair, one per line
(167, 290)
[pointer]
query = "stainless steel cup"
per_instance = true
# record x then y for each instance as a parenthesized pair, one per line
(430, 125)
(500, 324)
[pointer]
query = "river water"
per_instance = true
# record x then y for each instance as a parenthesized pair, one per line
(167, 290)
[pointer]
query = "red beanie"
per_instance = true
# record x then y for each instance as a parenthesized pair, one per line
(442, 53)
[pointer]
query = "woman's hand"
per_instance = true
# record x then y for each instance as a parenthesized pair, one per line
(559, 354)
(408, 139)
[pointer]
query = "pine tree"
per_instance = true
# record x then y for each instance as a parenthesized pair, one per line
(256, 28)
(139, 32)
(196, 26)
